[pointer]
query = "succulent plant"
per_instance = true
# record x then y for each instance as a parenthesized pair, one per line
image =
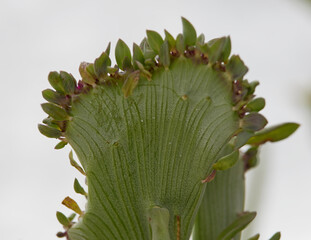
(152, 132)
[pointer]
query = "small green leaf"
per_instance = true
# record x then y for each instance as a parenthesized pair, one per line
(242, 138)
(56, 82)
(170, 39)
(107, 51)
(144, 45)
(52, 96)
(227, 162)
(149, 55)
(55, 111)
(190, 35)
(256, 237)
(78, 189)
(201, 39)
(273, 134)
(236, 67)
(180, 44)
(49, 131)
(254, 122)
(147, 51)
(252, 86)
(130, 83)
(71, 217)
(155, 40)
(238, 225)
(101, 63)
(165, 54)
(137, 54)
(159, 222)
(256, 105)
(72, 204)
(62, 219)
(51, 122)
(276, 236)
(85, 70)
(219, 49)
(75, 164)
(60, 145)
(68, 81)
(122, 51)
(91, 70)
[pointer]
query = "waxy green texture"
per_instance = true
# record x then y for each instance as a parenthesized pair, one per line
(150, 134)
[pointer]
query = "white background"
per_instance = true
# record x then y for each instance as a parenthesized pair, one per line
(37, 36)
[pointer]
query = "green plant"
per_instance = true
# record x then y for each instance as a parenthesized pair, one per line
(152, 132)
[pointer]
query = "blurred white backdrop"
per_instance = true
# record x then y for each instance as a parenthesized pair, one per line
(272, 37)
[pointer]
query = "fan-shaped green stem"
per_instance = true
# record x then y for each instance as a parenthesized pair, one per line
(151, 149)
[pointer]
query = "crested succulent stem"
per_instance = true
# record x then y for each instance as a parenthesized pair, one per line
(152, 132)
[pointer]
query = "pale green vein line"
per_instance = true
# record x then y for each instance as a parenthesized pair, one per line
(189, 220)
(112, 101)
(129, 216)
(155, 145)
(185, 81)
(191, 135)
(178, 149)
(111, 98)
(102, 223)
(202, 83)
(185, 140)
(223, 144)
(79, 150)
(135, 196)
(130, 136)
(91, 126)
(74, 232)
(135, 135)
(91, 230)
(199, 71)
(143, 141)
(117, 230)
(169, 144)
(91, 139)
(106, 118)
(191, 204)
(179, 77)
(150, 162)
(112, 116)
(138, 222)
(218, 122)
(163, 133)
(170, 131)
(173, 153)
